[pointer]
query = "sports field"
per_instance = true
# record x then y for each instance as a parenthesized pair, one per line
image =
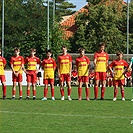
(36, 116)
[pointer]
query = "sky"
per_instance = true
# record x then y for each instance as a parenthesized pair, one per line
(81, 3)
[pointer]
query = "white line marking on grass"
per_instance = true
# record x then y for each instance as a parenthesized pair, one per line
(66, 115)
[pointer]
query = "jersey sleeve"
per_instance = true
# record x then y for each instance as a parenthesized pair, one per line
(107, 56)
(26, 60)
(54, 63)
(111, 64)
(38, 61)
(95, 56)
(11, 60)
(4, 61)
(22, 60)
(88, 60)
(126, 64)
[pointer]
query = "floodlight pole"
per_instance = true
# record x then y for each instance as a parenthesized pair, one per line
(127, 28)
(2, 28)
(48, 24)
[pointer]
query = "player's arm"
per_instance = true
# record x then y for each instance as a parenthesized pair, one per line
(70, 65)
(54, 65)
(4, 63)
(127, 66)
(111, 68)
(11, 64)
(58, 67)
(23, 67)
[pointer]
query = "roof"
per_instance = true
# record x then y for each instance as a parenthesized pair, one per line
(68, 22)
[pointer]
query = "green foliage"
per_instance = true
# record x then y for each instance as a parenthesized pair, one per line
(26, 26)
(105, 23)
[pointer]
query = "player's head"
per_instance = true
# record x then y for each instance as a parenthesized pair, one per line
(32, 51)
(101, 46)
(49, 53)
(16, 51)
(64, 49)
(81, 51)
(119, 54)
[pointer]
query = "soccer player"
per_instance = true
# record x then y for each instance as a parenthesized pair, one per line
(17, 63)
(2, 74)
(128, 78)
(82, 63)
(100, 65)
(118, 66)
(74, 76)
(31, 72)
(49, 66)
(64, 71)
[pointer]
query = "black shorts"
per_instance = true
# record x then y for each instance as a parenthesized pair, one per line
(39, 74)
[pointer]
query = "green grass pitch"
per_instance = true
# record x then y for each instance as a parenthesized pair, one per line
(36, 116)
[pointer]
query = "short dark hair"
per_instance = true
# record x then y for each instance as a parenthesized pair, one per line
(32, 50)
(48, 51)
(64, 46)
(101, 44)
(119, 52)
(81, 49)
(16, 49)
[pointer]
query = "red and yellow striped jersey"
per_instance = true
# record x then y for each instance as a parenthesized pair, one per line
(101, 61)
(17, 63)
(49, 66)
(2, 65)
(32, 62)
(118, 66)
(82, 64)
(64, 63)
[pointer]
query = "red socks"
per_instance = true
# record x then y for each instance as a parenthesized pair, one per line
(80, 92)
(62, 92)
(102, 92)
(4, 91)
(96, 92)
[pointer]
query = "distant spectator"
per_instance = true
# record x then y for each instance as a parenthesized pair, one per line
(74, 76)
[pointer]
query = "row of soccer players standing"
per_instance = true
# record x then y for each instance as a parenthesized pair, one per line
(117, 68)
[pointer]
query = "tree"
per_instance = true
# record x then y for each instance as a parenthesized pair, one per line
(105, 22)
(26, 26)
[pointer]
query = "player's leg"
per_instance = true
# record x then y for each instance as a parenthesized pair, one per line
(115, 90)
(62, 86)
(20, 86)
(28, 85)
(14, 90)
(33, 81)
(96, 85)
(45, 81)
(80, 88)
(20, 90)
(3, 81)
(52, 88)
(103, 89)
(87, 90)
(68, 80)
(103, 77)
(122, 89)
(14, 79)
